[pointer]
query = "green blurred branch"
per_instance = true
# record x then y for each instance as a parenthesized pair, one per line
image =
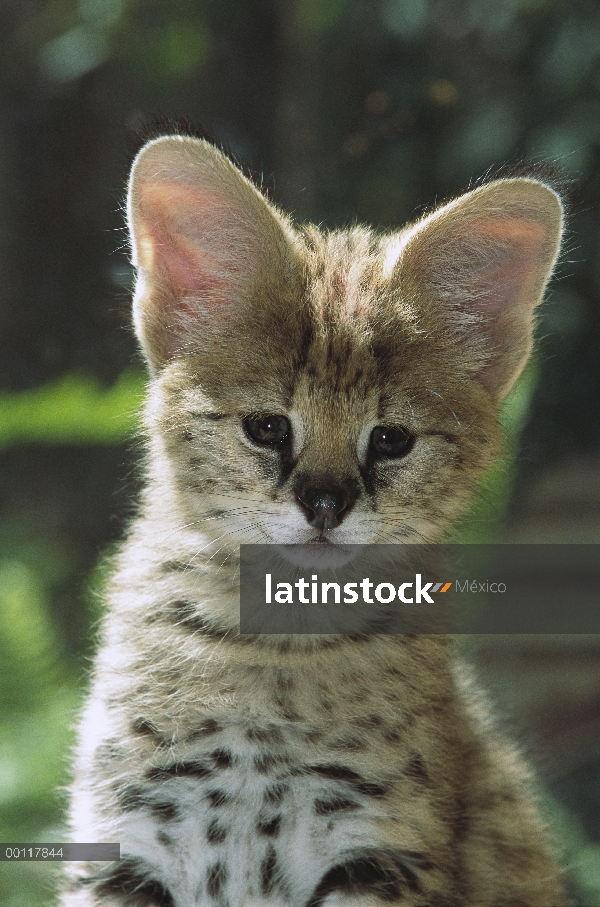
(73, 410)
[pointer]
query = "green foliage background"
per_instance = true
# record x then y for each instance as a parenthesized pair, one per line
(41, 688)
(41, 685)
(358, 110)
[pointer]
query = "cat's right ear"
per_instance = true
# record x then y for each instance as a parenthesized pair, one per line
(201, 234)
(482, 262)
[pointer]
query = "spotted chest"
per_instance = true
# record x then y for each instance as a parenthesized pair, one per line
(243, 821)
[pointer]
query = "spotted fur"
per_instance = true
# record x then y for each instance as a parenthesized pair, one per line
(307, 771)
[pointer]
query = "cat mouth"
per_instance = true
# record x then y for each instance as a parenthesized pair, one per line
(319, 540)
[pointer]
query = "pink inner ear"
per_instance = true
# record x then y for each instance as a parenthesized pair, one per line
(183, 236)
(514, 250)
(510, 230)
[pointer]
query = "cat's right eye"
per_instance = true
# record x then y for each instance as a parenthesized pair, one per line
(391, 443)
(268, 431)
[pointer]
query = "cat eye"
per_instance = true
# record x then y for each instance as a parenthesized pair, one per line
(391, 442)
(267, 430)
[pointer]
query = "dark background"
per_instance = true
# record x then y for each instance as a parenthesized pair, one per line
(346, 111)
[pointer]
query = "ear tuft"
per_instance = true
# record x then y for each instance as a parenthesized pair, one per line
(484, 261)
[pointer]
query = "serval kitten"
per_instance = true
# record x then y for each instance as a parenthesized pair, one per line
(306, 387)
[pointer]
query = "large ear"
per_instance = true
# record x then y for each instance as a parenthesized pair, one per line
(201, 237)
(484, 260)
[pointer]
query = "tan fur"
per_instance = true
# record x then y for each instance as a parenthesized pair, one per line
(242, 314)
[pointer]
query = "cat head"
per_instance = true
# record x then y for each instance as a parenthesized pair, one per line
(336, 387)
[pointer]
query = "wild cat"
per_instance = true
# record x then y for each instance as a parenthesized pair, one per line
(306, 387)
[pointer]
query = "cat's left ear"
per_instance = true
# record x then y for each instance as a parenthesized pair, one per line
(482, 262)
(202, 237)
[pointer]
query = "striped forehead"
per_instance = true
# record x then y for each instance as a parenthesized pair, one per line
(343, 274)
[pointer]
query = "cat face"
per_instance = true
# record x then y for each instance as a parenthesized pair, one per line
(329, 388)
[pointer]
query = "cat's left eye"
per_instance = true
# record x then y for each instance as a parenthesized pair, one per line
(391, 442)
(267, 430)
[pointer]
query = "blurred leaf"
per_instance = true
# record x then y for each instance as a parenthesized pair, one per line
(488, 509)
(73, 54)
(580, 857)
(24, 625)
(33, 772)
(73, 410)
(33, 762)
(31, 666)
(39, 699)
(27, 884)
(587, 871)
(101, 13)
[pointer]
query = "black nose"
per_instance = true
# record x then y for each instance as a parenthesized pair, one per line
(324, 508)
